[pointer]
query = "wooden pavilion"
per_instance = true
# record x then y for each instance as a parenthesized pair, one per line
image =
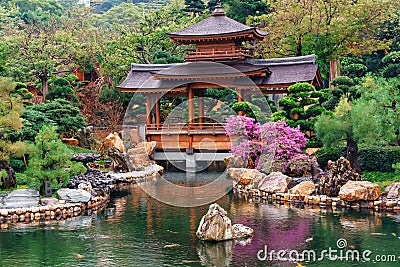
(220, 60)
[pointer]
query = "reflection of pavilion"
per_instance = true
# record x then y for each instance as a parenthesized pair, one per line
(219, 61)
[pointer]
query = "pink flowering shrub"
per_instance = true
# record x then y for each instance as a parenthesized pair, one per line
(273, 146)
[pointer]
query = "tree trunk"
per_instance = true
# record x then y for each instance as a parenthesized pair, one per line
(45, 86)
(352, 154)
(9, 181)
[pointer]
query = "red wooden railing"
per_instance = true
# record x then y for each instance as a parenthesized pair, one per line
(238, 52)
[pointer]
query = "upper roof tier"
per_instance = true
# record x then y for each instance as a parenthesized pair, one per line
(218, 25)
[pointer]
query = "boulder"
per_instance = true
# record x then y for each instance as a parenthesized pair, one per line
(359, 190)
(275, 182)
(74, 195)
(70, 141)
(338, 173)
(393, 191)
(113, 140)
(306, 188)
(246, 176)
(21, 198)
(142, 153)
(234, 162)
(217, 226)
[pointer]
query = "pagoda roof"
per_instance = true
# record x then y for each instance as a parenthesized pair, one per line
(276, 72)
(217, 25)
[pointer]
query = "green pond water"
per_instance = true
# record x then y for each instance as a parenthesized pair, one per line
(136, 230)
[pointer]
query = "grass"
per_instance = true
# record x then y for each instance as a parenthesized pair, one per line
(9, 190)
(383, 179)
(76, 150)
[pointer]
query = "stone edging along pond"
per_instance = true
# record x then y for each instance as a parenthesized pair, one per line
(318, 201)
(62, 210)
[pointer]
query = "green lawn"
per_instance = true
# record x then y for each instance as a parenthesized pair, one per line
(382, 178)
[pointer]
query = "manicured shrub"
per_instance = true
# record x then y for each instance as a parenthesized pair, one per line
(369, 158)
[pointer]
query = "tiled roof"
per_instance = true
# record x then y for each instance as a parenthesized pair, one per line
(278, 71)
(217, 24)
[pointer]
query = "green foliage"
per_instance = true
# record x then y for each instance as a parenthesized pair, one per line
(391, 71)
(11, 108)
(60, 113)
(316, 94)
(17, 164)
(50, 160)
(371, 158)
(392, 58)
(279, 115)
(250, 110)
(163, 57)
(314, 110)
(240, 9)
(225, 94)
(195, 6)
(379, 158)
(342, 80)
(381, 178)
(355, 70)
(301, 87)
(63, 92)
(325, 154)
(288, 103)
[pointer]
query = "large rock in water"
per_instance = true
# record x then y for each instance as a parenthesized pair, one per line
(217, 226)
(74, 195)
(359, 190)
(393, 191)
(275, 182)
(21, 198)
(142, 153)
(338, 174)
(306, 188)
(246, 176)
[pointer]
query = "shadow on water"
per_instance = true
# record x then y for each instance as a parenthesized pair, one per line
(137, 230)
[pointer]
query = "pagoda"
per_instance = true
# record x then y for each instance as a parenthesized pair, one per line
(222, 58)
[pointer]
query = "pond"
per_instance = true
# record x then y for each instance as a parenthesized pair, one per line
(136, 230)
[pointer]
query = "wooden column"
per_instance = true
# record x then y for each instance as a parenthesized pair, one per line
(158, 113)
(201, 109)
(190, 106)
(240, 97)
(148, 109)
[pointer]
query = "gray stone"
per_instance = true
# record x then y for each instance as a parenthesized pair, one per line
(217, 226)
(275, 182)
(74, 195)
(21, 198)
(234, 162)
(393, 191)
(48, 201)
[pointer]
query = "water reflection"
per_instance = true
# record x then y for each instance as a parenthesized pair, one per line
(136, 230)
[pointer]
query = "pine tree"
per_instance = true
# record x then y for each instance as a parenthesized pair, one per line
(195, 6)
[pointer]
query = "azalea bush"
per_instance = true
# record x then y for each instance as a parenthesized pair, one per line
(273, 146)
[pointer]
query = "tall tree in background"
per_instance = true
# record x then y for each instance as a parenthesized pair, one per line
(195, 6)
(330, 29)
(10, 110)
